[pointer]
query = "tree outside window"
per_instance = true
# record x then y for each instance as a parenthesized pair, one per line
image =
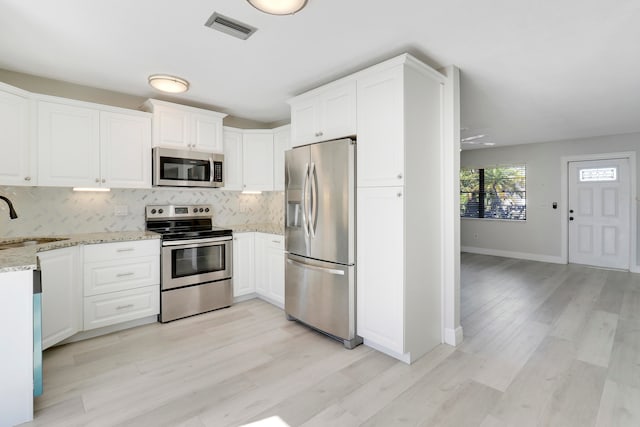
(496, 192)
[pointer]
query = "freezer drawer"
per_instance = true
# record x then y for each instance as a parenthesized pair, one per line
(322, 295)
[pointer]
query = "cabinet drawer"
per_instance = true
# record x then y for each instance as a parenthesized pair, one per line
(275, 241)
(123, 306)
(111, 276)
(121, 250)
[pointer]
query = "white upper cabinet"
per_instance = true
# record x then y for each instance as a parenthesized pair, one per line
(248, 159)
(17, 165)
(84, 146)
(281, 143)
(68, 145)
(323, 114)
(125, 147)
(183, 127)
(232, 159)
(381, 129)
(257, 160)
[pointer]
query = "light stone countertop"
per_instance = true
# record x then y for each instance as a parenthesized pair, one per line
(261, 228)
(25, 258)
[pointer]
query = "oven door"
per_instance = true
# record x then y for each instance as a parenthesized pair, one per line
(190, 262)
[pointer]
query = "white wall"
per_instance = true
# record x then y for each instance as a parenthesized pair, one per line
(540, 236)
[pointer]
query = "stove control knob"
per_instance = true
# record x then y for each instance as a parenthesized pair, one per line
(153, 211)
(160, 211)
(201, 210)
(206, 209)
(195, 210)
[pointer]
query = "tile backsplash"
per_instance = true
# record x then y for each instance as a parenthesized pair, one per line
(45, 211)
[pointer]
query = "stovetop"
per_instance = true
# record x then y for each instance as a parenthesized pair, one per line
(183, 222)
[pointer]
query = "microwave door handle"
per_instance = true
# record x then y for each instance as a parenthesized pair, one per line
(305, 212)
(211, 170)
(314, 200)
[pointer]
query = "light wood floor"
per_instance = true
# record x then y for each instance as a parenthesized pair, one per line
(544, 345)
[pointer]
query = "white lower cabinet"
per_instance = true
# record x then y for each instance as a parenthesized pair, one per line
(261, 242)
(258, 266)
(92, 286)
(122, 306)
(275, 265)
(121, 282)
(269, 264)
(61, 294)
(243, 264)
(380, 299)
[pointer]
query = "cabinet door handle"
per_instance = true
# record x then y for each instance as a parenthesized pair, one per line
(104, 180)
(27, 178)
(97, 179)
(124, 274)
(125, 250)
(276, 241)
(122, 307)
(399, 176)
(399, 194)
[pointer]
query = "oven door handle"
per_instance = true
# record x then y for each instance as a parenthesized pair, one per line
(199, 242)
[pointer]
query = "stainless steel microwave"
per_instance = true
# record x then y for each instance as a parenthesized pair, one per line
(185, 168)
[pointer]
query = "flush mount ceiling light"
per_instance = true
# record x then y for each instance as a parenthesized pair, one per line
(278, 7)
(170, 84)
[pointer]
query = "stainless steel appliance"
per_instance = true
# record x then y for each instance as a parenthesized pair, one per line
(196, 260)
(185, 168)
(320, 285)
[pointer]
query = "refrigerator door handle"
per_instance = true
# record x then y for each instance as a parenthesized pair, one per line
(315, 267)
(314, 200)
(305, 212)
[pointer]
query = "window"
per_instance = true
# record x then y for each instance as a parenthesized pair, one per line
(598, 174)
(496, 192)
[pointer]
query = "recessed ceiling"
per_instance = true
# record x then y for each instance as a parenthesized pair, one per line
(530, 71)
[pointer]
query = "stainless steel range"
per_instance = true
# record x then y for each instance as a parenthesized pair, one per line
(196, 260)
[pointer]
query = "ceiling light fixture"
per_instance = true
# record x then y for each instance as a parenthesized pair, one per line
(278, 7)
(170, 84)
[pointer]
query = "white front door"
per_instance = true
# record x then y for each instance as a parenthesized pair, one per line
(599, 212)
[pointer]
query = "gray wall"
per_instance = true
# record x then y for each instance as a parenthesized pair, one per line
(539, 237)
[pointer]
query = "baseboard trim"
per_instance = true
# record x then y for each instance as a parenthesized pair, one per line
(453, 336)
(511, 254)
(92, 333)
(635, 269)
(403, 357)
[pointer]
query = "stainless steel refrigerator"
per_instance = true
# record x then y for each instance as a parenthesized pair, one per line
(320, 285)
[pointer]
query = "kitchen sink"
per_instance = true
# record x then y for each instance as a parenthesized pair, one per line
(30, 241)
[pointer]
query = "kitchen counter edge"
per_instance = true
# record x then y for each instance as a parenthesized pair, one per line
(25, 258)
(259, 228)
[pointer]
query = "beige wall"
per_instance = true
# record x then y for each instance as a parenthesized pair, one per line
(52, 87)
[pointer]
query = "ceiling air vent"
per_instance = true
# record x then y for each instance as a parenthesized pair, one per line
(230, 26)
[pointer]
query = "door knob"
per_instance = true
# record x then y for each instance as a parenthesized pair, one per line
(570, 218)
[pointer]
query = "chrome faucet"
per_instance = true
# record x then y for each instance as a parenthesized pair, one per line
(12, 211)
